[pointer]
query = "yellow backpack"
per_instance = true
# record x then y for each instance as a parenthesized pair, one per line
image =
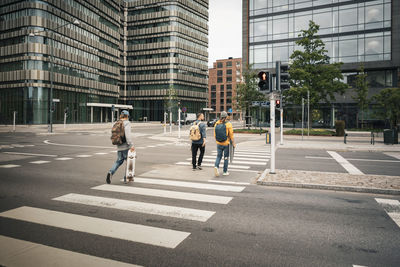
(195, 134)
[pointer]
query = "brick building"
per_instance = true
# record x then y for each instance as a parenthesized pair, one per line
(222, 82)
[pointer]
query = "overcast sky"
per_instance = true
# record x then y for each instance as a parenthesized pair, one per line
(225, 30)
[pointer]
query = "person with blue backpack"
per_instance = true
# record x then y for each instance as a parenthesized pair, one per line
(223, 133)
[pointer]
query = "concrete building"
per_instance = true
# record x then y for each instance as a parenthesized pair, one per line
(224, 77)
(108, 55)
(354, 32)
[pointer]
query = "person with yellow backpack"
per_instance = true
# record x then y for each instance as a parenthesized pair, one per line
(198, 137)
(223, 133)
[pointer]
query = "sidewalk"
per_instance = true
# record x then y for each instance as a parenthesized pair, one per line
(377, 184)
(59, 128)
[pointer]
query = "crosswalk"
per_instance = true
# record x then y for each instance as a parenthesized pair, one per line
(245, 159)
(99, 197)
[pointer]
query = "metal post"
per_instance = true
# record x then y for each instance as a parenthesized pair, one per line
(170, 122)
(51, 82)
(165, 122)
(302, 118)
(65, 119)
(281, 120)
(308, 112)
(112, 116)
(179, 123)
(14, 119)
(272, 126)
(91, 114)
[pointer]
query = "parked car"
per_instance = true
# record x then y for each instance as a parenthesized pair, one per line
(211, 123)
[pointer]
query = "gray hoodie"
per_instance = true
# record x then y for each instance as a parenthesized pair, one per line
(128, 136)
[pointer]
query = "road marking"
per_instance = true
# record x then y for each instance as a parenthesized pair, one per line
(101, 153)
(17, 145)
(393, 154)
(29, 154)
(239, 158)
(228, 182)
(164, 193)
(113, 151)
(253, 150)
(7, 166)
(63, 158)
(392, 202)
(312, 157)
(247, 155)
(359, 265)
(151, 146)
(22, 253)
(395, 217)
(235, 161)
(140, 207)
(29, 145)
(39, 162)
(83, 156)
(103, 227)
(212, 165)
(394, 205)
(228, 188)
(350, 168)
(47, 142)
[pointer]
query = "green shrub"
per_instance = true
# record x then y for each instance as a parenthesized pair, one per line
(250, 131)
(339, 126)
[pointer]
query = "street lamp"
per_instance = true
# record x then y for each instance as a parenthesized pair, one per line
(51, 44)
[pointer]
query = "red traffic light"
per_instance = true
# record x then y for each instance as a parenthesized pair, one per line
(278, 103)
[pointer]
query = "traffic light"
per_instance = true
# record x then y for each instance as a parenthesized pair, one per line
(263, 84)
(282, 76)
(277, 103)
(66, 110)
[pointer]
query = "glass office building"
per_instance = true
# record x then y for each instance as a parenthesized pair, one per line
(166, 47)
(122, 53)
(354, 32)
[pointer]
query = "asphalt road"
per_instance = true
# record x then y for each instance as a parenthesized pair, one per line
(257, 226)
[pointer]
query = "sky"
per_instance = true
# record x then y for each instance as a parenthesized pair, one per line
(225, 30)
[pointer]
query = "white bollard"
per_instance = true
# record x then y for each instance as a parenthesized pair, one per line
(14, 119)
(272, 127)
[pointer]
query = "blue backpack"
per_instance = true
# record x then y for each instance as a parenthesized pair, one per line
(220, 132)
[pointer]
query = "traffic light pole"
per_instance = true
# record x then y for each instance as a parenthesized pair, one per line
(272, 129)
(179, 123)
(281, 120)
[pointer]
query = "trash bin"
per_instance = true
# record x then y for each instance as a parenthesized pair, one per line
(390, 136)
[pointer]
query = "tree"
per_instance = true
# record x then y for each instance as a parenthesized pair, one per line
(361, 92)
(247, 91)
(170, 100)
(388, 100)
(311, 71)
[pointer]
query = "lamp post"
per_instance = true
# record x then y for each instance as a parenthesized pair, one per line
(51, 44)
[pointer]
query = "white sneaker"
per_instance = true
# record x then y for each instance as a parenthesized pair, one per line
(216, 172)
(225, 174)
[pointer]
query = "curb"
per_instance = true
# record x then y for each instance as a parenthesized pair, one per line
(329, 187)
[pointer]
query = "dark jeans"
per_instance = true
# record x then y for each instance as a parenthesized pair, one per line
(195, 147)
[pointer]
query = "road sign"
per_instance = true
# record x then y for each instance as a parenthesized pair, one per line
(184, 109)
(265, 104)
(255, 103)
(230, 110)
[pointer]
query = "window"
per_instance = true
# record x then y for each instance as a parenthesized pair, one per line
(229, 72)
(213, 88)
(221, 87)
(219, 80)
(229, 79)
(221, 101)
(219, 73)
(213, 95)
(228, 94)
(237, 64)
(220, 65)
(229, 63)
(229, 87)
(222, 94)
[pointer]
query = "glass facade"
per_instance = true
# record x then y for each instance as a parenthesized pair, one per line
(352, 32)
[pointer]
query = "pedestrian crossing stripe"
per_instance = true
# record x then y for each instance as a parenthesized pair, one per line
(62, 159)
(103, 227)
(39, 162)
(140, 207)
(393, 210)
(228, 188)
(247, 155)
(235, 161)
(239, 158)
(7, 166)
(164, 193)
(83, 156)
(15, 252)
(212, 165)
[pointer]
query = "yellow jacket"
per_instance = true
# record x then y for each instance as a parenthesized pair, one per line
(229, 133)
